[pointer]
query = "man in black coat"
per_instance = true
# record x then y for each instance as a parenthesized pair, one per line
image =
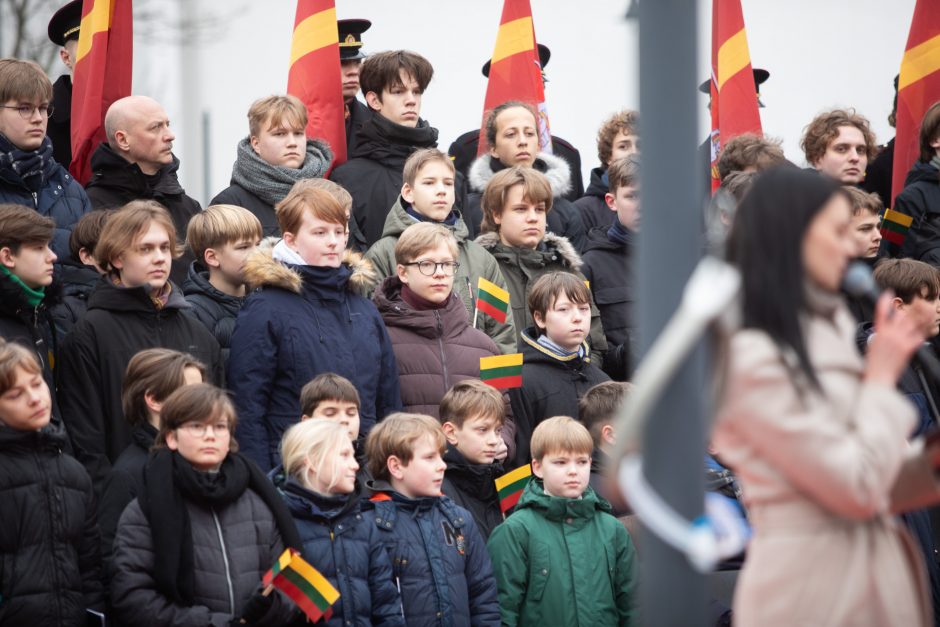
(350, 60)
(137, 163)
(63, 32)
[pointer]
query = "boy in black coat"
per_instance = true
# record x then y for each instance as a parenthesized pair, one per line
(80, 272)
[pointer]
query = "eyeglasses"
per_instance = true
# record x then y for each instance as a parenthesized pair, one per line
(198, 429)
(26, 111)
(429, 268)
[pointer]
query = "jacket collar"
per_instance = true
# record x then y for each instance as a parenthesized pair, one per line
(535, 352)
(448, 321)
(110, 297)
(555, 169)
(553, 248)
(556, 508)
(109, 169)
(261, 270)
(398, 220)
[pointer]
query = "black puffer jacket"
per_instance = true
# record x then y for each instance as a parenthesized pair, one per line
(78, 282)
(473, 487)
(593, 207)
(120, 323)
(237, 195)
(215, 309)
(50, 568)
(115, 182)
(920, 199)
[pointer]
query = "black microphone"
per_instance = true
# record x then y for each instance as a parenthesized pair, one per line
(859, 282)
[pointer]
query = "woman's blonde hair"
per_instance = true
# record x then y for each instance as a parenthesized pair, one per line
(310, 447)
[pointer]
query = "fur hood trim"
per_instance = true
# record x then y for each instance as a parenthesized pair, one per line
(557, 172)
(261, 270)
(552, 242)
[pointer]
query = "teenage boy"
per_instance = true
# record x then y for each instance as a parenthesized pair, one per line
(439, 559)
(608, 259)
(80, 271)
(557, 369)
(617, 138)
(920, 198)
(839, 144)
(427, 195)
(221, 238)
(865, 229)
(597, 411)
(393, 84)
(561, 558)
(472, 415)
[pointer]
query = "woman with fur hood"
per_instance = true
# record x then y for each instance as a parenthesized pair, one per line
(306, 319)
(513, 137)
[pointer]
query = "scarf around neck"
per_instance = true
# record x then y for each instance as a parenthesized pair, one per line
(619, 234)
(271, 183)
(33, 296)
(382, 140)
(31, 166)
(546, 343)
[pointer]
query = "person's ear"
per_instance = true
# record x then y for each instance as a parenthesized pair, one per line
(898, 304)
(118, 262)
(289, 239)
(7, 258)
(171, 441)
(539, 320)
(408, 193)
(152, 403)
(608, 435)
(609, 199)
(211, 258)
(537, 468)
(450, 432)
(254, 141)
(120, 141)
(86, 257)
(395, 467)
(402, 273)
(374, 101)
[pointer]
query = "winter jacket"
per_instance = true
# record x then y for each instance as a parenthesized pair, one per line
(237, 195)
(59, 127)
(233, 547)
(305, 321)
(358, 114)
(521, 267)
(473, 487)
(120, 322)
(879, 173)
(551, 386)
(920, 199)
(822, 475)
(50, 568)
(78, 282)
(475, 263)
(343, 544)
(564, 561)
(116, 181)
(60, 198)
(439, 560)
(213, 308)
(593, 206)
(564, 219)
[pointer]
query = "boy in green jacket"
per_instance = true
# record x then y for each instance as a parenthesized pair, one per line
(561, 558)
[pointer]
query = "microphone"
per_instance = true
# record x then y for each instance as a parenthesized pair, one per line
(859, 282)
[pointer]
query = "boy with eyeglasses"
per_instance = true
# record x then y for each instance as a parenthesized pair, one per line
(29, 175)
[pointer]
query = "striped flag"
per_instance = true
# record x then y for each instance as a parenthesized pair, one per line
(502, 371)
(510, 486)
(918, 88)
(492, 300)
(304, 584)
(895, 225)
(102, 74)
(515, 70)
(315, 76)
(734, 95)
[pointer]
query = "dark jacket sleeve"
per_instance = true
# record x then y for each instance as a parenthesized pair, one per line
(89, 557)
(386, 602)
(118, 491)
(507, 547)
(481, 584)
(388, 398)
(523, 416)
(923, 237)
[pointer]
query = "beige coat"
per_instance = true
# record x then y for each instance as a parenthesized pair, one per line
(822, 476)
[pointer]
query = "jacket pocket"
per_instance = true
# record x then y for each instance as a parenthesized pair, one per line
(540, 570)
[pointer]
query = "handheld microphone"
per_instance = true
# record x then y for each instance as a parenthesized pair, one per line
(859, 282)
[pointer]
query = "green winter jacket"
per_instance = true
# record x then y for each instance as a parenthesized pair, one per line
(550, 544)
(474, 261)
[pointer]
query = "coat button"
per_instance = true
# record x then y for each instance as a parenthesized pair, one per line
(378, 520)
(568, 520)
(544, 571)
(388, 524)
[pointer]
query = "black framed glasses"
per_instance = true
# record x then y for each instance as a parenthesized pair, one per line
(26, 110)
(429, 268)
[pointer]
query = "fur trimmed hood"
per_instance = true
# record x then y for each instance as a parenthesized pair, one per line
(552, 244)
(261, 270)
(555, 169)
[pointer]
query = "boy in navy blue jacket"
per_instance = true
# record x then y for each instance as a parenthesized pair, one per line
(439, 559)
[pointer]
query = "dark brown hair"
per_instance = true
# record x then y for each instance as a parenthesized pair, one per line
(551, 286)
(908, 278)
(196, 403)
(382, 71)
(600, 404)
(929, 131)
(20, 225)
(327, 387)
(87, 230)
(864, 201)
(490, 122)
(627, 121)
(157, 372)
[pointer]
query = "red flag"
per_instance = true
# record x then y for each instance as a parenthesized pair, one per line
(515, 70)
(918, 88)
(315, 76)
(102, 74)
(734, 95)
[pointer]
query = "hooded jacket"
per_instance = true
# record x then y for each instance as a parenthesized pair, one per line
(50, 567)
(116, 181)
(344, 544)
(305, 321)
(120, 322)
(475, 263)
(521, 267)
(920, 199)
(593, 206)
(564, 561)
(564, 219)
(473, 487)
(212, 307)
(551, 386)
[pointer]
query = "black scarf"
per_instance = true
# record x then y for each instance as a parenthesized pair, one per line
(31, 166)
(382, 140)
(619, 234)
(170, 481)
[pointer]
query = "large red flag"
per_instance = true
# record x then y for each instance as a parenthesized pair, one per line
(918, 88)
(515, 70)
(102, 74)
(315, 76)
(734, 96)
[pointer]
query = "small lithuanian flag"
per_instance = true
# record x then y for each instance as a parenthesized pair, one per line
(502, 371)
(510, 486)
(303, 583)
(492, 300)
(895, 225)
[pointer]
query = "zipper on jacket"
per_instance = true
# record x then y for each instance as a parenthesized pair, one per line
(54, 515)
(440, 344)
(36, 200)
(228, 573)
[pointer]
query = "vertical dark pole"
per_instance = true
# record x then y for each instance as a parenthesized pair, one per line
(673, 189)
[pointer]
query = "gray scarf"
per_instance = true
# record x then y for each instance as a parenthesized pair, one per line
(271, 183)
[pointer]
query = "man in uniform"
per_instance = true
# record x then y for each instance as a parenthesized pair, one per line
(63, 32)
(350, 58)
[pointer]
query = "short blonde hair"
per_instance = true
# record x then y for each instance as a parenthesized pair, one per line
(128, 224)
(561, 434)
(343, 197)
(316, 442)
(421, 237)
(535, 187)
(219, 225)
(869, 202)
(471, 398)
(397, 435)
(419, 159)
(281, 111)
(320, 203)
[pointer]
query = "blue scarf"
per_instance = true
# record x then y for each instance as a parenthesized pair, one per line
(450, 220)
(619, 234)
(555, 349)
(31, 166)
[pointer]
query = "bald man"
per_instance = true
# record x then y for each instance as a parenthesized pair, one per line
(138, 162)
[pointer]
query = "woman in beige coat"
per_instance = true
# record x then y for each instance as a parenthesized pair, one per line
(817, 435)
